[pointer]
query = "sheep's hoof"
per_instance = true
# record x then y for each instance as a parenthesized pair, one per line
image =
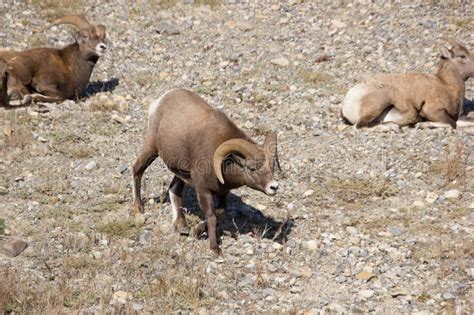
(137, 209)
(199, 229)
(216, 252)
(181, 227)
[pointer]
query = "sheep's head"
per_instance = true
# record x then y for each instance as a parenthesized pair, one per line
(253, 164)
(460, 57)
(91, 38)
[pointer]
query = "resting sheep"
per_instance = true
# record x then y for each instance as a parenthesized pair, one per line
(49, 74)
(205, 150)
(406, 99)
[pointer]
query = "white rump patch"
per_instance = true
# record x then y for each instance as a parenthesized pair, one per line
(155, 104)
(153, 107)
(353, 102)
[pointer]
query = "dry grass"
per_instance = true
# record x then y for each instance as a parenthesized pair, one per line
(453, 166)
(71, 145)
(350, 190)
(17, 129)
(316, 77)
(175, 292)
(55, 8)
(440, 249)
(103, 104)
(166, 4)
(120, 228)
(145, 79)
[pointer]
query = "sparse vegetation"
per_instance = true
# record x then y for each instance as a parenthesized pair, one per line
(120, 228)
(316, 77)
(453, 165)
(55, 8)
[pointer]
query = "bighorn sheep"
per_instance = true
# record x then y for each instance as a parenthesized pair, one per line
(406, 99)
(53, 75)
(205, 150)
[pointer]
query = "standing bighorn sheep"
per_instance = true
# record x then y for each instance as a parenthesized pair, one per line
(49, 74)
(406, 99)
(205, 150)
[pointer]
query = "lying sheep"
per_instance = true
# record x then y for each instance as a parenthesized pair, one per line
(205, 150)
(406, 99)
(53, 75)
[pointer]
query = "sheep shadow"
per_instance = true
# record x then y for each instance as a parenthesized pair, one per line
(100, 86)
(468, 107)
(241, 218)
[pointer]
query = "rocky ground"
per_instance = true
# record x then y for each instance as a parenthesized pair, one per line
(364, 222)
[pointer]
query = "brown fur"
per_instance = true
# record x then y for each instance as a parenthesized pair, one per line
(49, 74)
(186, 131)
(415, 96)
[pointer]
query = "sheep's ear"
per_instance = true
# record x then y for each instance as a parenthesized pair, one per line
(447, 51)
(100, 30)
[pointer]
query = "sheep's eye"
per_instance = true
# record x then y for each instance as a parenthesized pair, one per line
(462, 56)
(252, 168)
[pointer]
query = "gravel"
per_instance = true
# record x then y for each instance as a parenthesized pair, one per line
(364, 221)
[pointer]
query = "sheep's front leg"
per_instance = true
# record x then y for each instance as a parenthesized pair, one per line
(438, 116)
(201, 226)
(45, 99)
(207, 206)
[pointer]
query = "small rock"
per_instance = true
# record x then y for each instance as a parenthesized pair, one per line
(431, 197)
(366, 293)
(308, 193)
(365, 275)
(312, 245)
(7, 131)
(277, 246)
(452, 194)
(91, 165)
(120, 119)
(448, 296)
(338, 24)
(231, 24)
(419, 204)
(394, 230)
(137, 307)
(282, 62)
(165, 27)
(245, 26)
(121, 297)
(145, 237)
(13, 247)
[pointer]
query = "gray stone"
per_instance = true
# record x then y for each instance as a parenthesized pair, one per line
(394, 230)
(12, 247)
(167, 28)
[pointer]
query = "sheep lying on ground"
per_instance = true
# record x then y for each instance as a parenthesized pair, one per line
(406, 99)
(52, 75)
(205, 150)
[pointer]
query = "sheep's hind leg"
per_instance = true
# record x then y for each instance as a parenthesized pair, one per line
(146, 157)
(373, 106)
(176, 193)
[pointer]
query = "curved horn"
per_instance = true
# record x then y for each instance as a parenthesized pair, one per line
(241, 146)
(79, 21)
